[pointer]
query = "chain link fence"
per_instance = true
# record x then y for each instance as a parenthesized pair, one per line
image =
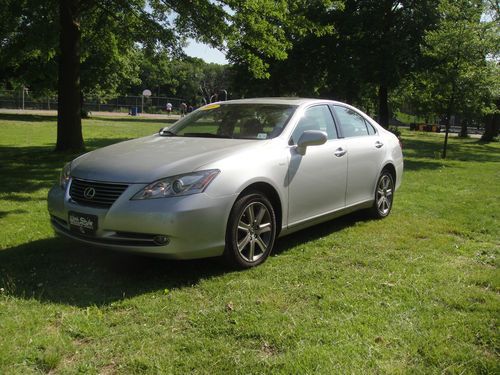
(25, 99)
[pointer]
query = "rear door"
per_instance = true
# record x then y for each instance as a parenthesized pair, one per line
(365, 154)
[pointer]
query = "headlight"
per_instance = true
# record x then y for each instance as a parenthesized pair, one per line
(65, 175)
(175, 186)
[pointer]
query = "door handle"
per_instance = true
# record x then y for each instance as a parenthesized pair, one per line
(340, 152)
(378, 144)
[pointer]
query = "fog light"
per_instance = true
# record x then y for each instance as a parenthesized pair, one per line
(161, 240)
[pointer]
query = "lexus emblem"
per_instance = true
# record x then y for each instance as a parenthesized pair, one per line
(89, 192)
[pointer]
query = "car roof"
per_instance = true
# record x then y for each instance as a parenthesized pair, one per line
(277, 100)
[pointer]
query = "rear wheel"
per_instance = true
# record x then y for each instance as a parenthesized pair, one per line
(251, 231)
(384, 195)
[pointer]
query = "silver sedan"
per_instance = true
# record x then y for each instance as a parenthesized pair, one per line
(228, 179)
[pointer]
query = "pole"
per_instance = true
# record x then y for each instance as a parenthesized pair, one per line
(142, 104)
(23, 97)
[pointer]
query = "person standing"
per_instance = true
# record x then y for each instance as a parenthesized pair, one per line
(183, 109)
(169, 108)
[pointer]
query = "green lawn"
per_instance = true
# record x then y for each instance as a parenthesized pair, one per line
(418, 292)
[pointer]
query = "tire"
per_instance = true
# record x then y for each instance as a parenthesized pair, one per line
(251, 231)
(384, 196)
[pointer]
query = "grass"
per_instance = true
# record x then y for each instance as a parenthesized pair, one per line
(418, 292)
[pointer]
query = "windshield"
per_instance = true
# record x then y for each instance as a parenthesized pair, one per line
(241, 121)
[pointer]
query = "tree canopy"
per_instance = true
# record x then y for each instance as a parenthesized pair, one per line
(461, 75)
(95, 45)
(440, 58)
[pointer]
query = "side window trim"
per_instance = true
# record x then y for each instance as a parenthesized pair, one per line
(335, 122)
(340, 133)
(366, 126)
(374, 129)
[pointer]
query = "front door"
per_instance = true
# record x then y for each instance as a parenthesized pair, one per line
(317, 179)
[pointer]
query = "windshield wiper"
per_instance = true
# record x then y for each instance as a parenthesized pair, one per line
(206, 135)
(167, 133)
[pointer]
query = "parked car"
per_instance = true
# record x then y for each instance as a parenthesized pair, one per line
(228, 179)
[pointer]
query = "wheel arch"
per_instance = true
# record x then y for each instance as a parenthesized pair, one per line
(391, 169)
(272, 194)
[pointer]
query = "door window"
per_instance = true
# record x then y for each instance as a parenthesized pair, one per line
(352, 123)
(316, 118)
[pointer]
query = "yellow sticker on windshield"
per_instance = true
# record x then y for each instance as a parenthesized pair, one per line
(210, 106)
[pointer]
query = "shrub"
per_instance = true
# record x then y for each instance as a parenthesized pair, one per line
(395, 130)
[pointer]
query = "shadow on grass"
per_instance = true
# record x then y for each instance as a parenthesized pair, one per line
(7, 213)
(412, 165)
(318, 231)
(61, 271)
(26, 117)
(468, 149)
(475, 150)
(28, 169)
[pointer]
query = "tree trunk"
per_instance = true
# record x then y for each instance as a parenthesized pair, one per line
(450, 110)
(463, 128)
(491, 127)
(447, 131)
(383, 106)
(69, 123)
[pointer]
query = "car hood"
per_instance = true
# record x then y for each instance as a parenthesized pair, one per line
(147, 159)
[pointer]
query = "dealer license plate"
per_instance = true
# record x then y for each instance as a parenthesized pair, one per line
(82, 223)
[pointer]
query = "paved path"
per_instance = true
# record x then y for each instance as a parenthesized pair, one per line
(97, 114)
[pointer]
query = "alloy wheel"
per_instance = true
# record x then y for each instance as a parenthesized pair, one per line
(254, 232)
(385, 190)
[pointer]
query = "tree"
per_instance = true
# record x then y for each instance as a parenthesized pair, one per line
(300, 70)
(88, 32)
(461, 76)
(28, 44)
(382, 39)
(142, 27)
(186, 77)
(492, 119)
(357, 51)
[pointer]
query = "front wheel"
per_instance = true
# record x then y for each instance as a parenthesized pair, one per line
(384, 196)
(251, 231)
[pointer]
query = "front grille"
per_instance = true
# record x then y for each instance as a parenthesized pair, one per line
(105, 193)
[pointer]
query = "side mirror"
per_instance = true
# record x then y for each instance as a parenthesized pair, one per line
(310, 138)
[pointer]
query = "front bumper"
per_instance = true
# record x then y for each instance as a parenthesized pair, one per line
(195, 225)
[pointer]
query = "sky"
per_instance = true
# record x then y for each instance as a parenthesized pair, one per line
(205, 52)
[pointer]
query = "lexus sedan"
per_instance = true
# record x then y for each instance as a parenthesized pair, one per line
(228, 179)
